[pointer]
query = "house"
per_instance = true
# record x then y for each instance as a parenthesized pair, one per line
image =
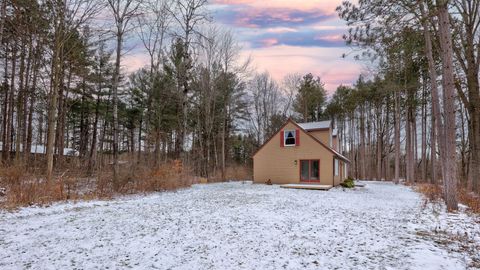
(301, 153)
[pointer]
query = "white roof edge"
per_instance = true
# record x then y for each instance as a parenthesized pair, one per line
(340, 155)
(315, 125)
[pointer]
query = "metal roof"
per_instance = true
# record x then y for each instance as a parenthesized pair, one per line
(315, 125)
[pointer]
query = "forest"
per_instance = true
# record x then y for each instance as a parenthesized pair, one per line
(418, 116)
(71, 108)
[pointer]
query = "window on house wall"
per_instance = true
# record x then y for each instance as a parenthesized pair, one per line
(289, 138)
(336, 166)
(310, 170)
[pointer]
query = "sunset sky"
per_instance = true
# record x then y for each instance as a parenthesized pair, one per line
(286, 36)
(291, 36)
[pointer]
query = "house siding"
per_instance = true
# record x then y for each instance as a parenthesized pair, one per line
(322, 135)
(335, 145)
(278, 164)
(341, 174)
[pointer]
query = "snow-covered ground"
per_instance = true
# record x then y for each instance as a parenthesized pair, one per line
(239, 226)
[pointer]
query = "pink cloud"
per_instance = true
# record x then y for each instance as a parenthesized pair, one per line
(279, 30)
(269, 42)
(133, 62)
(286, 13)
(324, 62)
(329, 37)
(322, 5)
(250, 17)
(232, 2)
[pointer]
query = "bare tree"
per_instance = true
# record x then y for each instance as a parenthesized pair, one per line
(264, 95)
(153, 26)
(67, 17)
(189, 15)
(450, 176)
(3, 15)
(466, 47)
(290, 85)
(123, 12)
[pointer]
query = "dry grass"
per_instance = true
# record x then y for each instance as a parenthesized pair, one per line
(233, 173)
(470, 199)
(26, 185)
(25, 188)
(434, 193)
(169, 176)
(238, 172)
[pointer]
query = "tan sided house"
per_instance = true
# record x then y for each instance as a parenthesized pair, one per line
(301, 153)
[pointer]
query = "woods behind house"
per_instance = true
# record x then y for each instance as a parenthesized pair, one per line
(70, 86)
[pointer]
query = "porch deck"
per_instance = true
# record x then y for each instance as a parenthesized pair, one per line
(307, 186)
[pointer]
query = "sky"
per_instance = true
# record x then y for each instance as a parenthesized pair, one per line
(285, 37)
(291, 36)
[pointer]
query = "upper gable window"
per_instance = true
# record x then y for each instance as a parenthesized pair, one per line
(289, 138)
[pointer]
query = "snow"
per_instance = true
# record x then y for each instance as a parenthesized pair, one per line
(237, 226)
(41, 149)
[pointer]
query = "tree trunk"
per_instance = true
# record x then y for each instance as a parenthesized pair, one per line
(5, 150)
(433, 148)
(408, 146)
(20, 100)
(424, 134)
(223, 149)
(450, 177)
(362, 143)
(92, 161)
(51, 118)
(12, 95)
(397, 137)
(437, 124)
(116, 77)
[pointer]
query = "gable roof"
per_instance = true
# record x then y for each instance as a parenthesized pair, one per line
(315, 125)
(337, 154)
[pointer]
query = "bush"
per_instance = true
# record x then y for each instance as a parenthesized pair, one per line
(432, 193)
(21, 187)
(348, 183)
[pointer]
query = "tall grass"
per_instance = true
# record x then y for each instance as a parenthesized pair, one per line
(434, 193)
(28, 187)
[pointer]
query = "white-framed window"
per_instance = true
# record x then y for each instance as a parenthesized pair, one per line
(336, 166)
(289, 138)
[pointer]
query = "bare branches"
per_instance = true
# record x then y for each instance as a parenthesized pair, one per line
(189, 14)
(153, 27)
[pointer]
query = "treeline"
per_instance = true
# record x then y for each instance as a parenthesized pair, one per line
(418, 117)
(64, 87)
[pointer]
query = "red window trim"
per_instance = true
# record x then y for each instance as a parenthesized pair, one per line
(309, 170)
(282, 138)
(297, 137)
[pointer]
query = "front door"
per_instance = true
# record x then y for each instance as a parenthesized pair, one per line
(310, 170)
